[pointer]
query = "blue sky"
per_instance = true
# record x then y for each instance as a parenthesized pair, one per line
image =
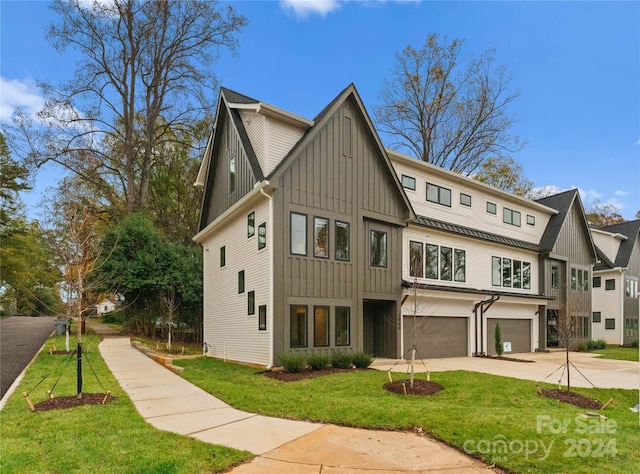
(576, 64)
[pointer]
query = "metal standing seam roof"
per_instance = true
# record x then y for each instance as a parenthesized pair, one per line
(476, 234)
(473, 291)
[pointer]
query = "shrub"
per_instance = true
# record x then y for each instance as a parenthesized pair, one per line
(634, 344)
(583, 347)
(361, 360)
(498, 337)
(600, 344)
(318, 361)
(292, 362)
(340, 360)
(113, 318)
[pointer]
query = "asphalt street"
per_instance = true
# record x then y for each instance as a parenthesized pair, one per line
(20, 339)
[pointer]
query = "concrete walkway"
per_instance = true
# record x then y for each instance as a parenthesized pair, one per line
(168, 402)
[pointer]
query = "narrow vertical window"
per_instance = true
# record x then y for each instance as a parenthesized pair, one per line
(343, 326)
(298, 234)
(506, 272)
(298, 326)
(445, 263)
(574, 279)
(460, 265)
(251, 224)
(432, 261)
(517, 274)
(321, 237)
(496, 271)
(416, 259)
(342, 240)
(585, 280)
(378, 249)
(223, 256)
(262, 317)
(320, 326)
(526, 275)
(232, 173)
(241, 281)
(555, 277)
(262, 236)
(251, 302)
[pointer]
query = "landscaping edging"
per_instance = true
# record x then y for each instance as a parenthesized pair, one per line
(160, 359)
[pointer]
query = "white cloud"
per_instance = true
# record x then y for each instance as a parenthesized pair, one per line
(637, 143)
(21, 93)
(589, 195)
(622, 193)
(305, 8)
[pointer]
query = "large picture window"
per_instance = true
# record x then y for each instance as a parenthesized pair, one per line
(510, 273)
(378, 249)
(416, 259)
(342, 240)
(343, 326)
(320, 326)
(298, 234)
(298, 326)
(321, 237)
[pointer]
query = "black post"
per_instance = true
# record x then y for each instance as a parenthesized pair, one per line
(79, 369)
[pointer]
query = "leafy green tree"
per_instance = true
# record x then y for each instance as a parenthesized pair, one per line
(13, 179)
(447, 108)
(506, 174)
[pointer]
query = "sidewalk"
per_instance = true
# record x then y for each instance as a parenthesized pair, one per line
(170, 403)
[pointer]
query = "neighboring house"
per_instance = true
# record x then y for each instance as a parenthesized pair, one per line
(615, 283)
(105, 306)
(567, 255)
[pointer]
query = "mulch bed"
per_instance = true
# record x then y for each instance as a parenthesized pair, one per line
(60, 403)
(61, 352)
(512, 359)
(572, 398)
(283, 376)
(420, 387)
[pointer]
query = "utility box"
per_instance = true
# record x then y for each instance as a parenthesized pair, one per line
(60, 325)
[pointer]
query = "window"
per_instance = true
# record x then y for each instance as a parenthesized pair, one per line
(262, 317)
(517, 274)
(298, 326)
(438, 194)
(298, 234)
(343, 324)
(610, 284)
(342, 240)
(321, 237)
(585, 280)
(416, 259)
(597, 317)
(555, 277)
(496, 271)
(378, 249)
(510, 273)
(579, 279)
(241, 281)
(492, 208)
(445, 263)
(609, 323)
(459, 265)
(630, 288)
(465, 200)
(630, 327)
(526, 275)
(597, 282)
(223, 256)
(510, 216)
(531, 220)
(320, 326)
(251, 224)
(574, 279)
(506, 272)
(262, 236)
(251, 302)
(232, 173)
(408, 182)
(432, 261)
(583, 327)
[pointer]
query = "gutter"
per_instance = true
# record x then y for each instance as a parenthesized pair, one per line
(484, 306)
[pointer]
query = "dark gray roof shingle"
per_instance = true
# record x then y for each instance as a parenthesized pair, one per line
(629, 229)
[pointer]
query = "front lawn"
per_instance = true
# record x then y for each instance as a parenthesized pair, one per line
(499, 419)
(619, 353)
(109, 438)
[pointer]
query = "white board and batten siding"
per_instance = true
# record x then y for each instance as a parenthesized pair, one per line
(230, 332)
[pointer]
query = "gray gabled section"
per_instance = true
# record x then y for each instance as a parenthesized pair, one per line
(631, 230)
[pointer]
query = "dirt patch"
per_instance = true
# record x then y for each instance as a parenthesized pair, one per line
(420, 387)
(61, 352)
(60, 403)
(283, 376)
(572, 398)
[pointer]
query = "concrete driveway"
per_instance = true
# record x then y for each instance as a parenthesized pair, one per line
(587, 369)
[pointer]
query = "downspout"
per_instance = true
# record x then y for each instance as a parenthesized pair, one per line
(271, 269)
(622, 312)
(483, 308)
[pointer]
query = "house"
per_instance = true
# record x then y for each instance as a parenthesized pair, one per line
(301, 225)
(567, 255)
(317, 238)
(615, 283)
(105, 306)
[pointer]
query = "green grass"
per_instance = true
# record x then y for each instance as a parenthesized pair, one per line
(109, 438)
(475, 410)
(619, 353)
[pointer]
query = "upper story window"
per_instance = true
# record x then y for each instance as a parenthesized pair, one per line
(465, 200)
(232, 173)
(408, 182)
(378, 250)
(251, 224)
(342, 240)
(579, 279)
(531, 220)
(416, 259)
(555, 277)
(321, 237)
(223, 256)
(298, 234)
(597, 317)
(262, 236)
(597, 282)
(492, 208)
(262, 317)
(630, 288)
(442, 263)
(610, 284)
(241, 281)
(510, 273)
(438, 194)
(509, 216)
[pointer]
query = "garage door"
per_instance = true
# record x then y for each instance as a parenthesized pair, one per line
(436, 336)
(515, 331)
